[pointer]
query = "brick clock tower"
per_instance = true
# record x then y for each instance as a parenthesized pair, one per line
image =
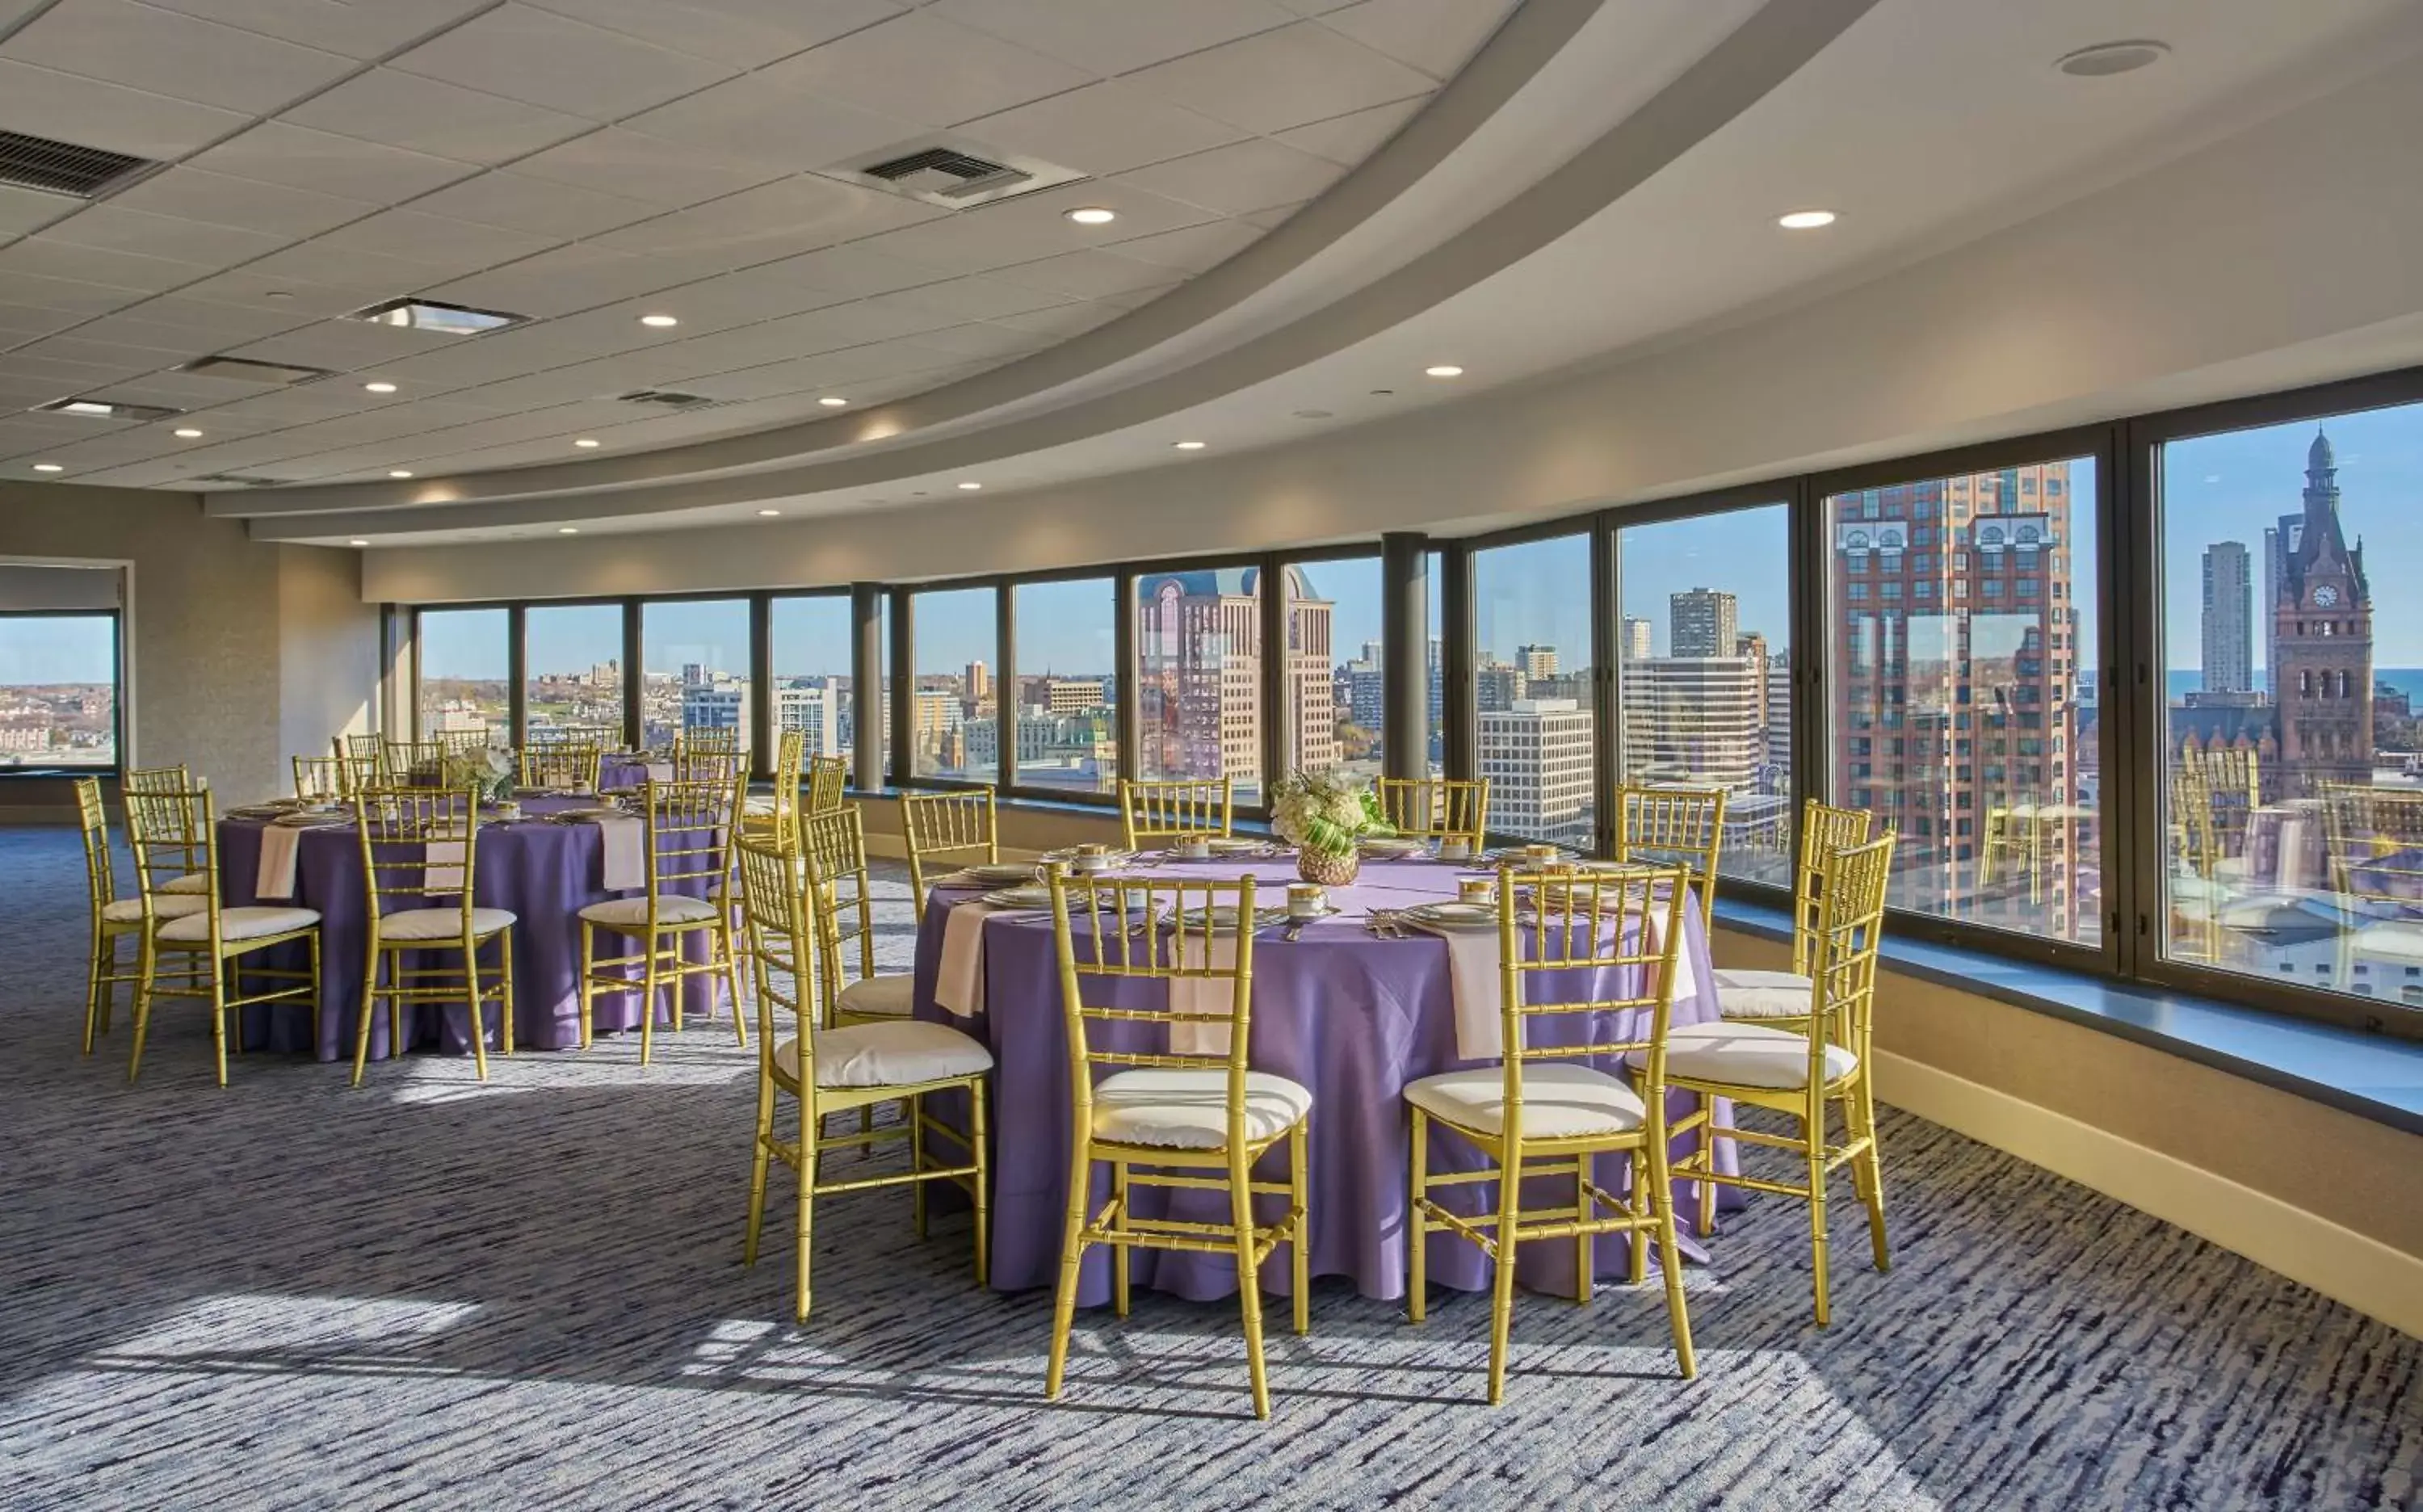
(2322, 628)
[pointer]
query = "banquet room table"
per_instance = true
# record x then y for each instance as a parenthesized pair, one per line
(545, 871)
(1351, 1016)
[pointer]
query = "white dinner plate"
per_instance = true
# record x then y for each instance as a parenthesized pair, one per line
(1455, 915)
(1392, 846)
(1223, 918)
(999, 873)
(1028, 895)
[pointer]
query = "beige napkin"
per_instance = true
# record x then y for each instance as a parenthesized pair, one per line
(959, 981)
(1473, 976)
(1203, 995)
(624, 854)
(442, 866)
(1686, 981)
(661, 772)
(281, 844)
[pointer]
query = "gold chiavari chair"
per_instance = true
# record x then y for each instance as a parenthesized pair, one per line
(1803, 1076)
(779, 814)
(406, 761)
(1674, 826)
(460, 742)
(1190, 1116)
(356, 771)
(114, 918)
(368, 747)
(694, 764)
(1542, 1113)
(834, 1069)
(835, 844)
(1167, 809)
(1781, 997)
(688, 841)
(2376, 863)
(828, 782)
(320, 780)
(562, 764)
(600, 736)
(959, 827)
(173, 836)
(422, 844)
(1436, 808)
(165, 780)
(719, 741)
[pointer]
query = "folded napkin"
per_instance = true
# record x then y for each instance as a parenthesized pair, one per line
(661, 772)
(281, 844)
(1686, 980)
(1473, 975)
(623, 855)
(1203, 995)
(958, 982)
(442, 866)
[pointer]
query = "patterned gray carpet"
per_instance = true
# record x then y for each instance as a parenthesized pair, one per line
(431, 1293)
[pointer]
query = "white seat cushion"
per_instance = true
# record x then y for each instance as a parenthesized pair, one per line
(632, 912)
(1747, 1054)
(1559, 1101)
(442, 923)
(192, 882)
(1762, 993)
(890, 996)
(164, 905)
(238, 924)
(1185, 1110)
(888, 1055)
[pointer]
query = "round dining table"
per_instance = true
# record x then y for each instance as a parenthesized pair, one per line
(541, 869)
(1351, 1015)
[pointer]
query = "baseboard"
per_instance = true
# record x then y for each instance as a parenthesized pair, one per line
(2346, 1267)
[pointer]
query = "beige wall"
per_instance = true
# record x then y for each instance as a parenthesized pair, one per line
(238, 653)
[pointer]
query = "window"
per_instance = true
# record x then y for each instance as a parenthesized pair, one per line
(814, 686)
(572, 659)
(462, 662)
(1534, 712)
(2030, 859)
(952, 729)
(1331, 701)
(2291, 783)
(1067, 702)
(1199, 676)
(1435, 571)
(694, 656)
(58, 689)
(1705, 675)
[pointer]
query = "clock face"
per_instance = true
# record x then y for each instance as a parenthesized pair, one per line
(2326, 596)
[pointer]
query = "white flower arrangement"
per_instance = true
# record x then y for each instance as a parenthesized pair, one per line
(1326, 811)
(491, 770)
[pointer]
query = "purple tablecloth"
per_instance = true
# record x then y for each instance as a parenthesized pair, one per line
(545, 873)
(621, 773)
(1351, 1017)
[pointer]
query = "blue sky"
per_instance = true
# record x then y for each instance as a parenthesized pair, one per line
(34, 651)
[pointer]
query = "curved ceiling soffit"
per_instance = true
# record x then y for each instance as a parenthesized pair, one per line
(1766, 49)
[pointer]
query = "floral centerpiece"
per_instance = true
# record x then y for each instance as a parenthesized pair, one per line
(1326, 816)
(490, 771)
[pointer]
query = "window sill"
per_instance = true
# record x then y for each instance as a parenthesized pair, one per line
(2371, 1076)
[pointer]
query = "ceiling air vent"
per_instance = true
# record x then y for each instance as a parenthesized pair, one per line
(64, 168)
(954, 172)
(92, 408)
(666, 397)
(239, 479)
(245, 370)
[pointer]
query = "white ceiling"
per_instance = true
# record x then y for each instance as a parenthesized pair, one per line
(588, 161)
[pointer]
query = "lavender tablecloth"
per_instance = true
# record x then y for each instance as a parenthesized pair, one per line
(546, 873)
(1351, 1017)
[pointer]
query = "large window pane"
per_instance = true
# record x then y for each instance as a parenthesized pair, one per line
(58, 689)
(464, 678)
(1704, 673)
(1199, 676)
(1333, 701)
(694, 661)
(814, 688)
(572, 656)
(2293, 791)
(1436, 568)
(1531, 688)
(1068, 685)
(952, 728)
(1961, 618)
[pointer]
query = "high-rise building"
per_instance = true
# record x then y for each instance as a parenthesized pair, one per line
(2278, 541)
(1199, 661)
(1779, 721)
(1073, 696)
(1702, 622)
(1537, 757)
(1635, 644)
(1750, 645)
(2321, 632)
(2229, 618)
(714, 704)
(1496, 686)
(977, 684)
(812, 707)
(1360, 684)
(1695, 720)
(1537, 661)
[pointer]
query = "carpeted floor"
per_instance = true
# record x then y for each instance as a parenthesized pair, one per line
(433, 1293)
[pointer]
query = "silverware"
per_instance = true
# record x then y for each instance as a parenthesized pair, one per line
(1294, 932)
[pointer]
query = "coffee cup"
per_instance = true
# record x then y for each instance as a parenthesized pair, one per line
(509, 811)
(1307, 900)
(1194, 847)
(1090, 860)
(1454, 848)
(1474, 890)
(1539, 855)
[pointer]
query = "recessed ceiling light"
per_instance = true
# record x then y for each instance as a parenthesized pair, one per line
(587, 441)
(660, 322)
(567, 530)
(358, 543)
(380, 386)
(1188, 446)
(2104, 59)
(443, 320)
(1444, 370)
(398, 473)
(1805, 221)
(832, 401)
(187, 433)
(770, 514)
(48, 466)
(1093, 215)
(106, 410)
(972, 486)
